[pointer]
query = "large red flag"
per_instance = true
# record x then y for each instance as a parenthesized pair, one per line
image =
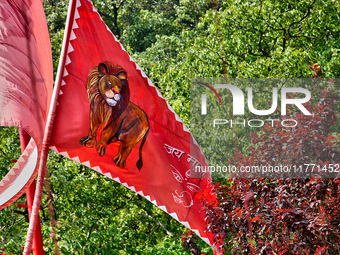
(111, 118)
(26, 81)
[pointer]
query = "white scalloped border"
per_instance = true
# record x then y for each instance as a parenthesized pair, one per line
(20, 174)
(97, 168)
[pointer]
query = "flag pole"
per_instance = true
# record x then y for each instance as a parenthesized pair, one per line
(48, 131)
(37, 241)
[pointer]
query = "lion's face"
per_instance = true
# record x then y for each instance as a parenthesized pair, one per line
(108, 91)
(109, 87)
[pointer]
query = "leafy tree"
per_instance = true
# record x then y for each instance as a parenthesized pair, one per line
(12, 219)
(56, 12)
(242, 39)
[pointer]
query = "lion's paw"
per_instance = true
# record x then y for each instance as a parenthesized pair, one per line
(118, 161)
(88, 141)
(101, 148)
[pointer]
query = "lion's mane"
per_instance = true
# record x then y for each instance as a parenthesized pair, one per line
(99, 105)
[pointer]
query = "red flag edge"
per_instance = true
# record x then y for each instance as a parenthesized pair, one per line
(20, 176)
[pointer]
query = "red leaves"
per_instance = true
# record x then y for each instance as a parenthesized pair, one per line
(300, 215)
(315, 70)
(321, 250)
(256, 218)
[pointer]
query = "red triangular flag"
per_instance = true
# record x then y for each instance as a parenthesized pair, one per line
(108, 107)
(26, 81)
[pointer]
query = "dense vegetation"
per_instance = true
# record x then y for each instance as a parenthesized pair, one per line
(174, 41)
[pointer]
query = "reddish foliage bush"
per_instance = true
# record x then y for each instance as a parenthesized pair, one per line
(284, 216)
(291, 216)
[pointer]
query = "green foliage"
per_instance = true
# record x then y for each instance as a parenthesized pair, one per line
(9, 148)
(257, 39)
(13, 220)
(56, 12)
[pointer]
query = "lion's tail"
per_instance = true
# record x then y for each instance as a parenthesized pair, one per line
(139, 163)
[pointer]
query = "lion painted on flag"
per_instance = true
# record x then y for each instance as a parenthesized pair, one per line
(120, 120)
